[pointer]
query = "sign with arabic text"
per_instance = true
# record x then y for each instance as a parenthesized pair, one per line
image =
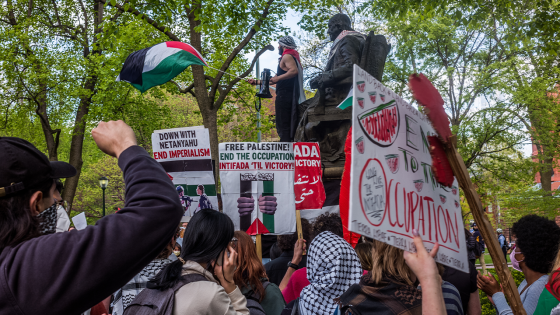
(308, 186)
(393, 189)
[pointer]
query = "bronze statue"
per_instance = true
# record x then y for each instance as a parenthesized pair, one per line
(320, 120)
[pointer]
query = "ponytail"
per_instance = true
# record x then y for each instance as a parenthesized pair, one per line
(167, 277)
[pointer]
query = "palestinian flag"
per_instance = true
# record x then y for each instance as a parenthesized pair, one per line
(158, 64)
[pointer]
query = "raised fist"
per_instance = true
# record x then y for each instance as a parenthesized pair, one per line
(245, 206)
(267, 204)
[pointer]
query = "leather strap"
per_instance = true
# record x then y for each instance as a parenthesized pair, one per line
(13, 188)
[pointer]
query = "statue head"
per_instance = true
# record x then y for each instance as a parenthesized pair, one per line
(338, 23)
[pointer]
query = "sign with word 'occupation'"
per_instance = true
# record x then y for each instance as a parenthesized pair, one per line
(308, 186)
(185, 155)
(258, 186)
(393, 188)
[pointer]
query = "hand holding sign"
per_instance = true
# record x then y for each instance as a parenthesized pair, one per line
(267, 204)
(245, 206)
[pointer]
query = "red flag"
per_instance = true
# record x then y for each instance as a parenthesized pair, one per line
(344, 200)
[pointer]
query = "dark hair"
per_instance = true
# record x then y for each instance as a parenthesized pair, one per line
(250, 269)
(537, 238)
(275, 251)
(286, 242)
(17, 222)
(201, 187)
(208, 234)
(365, 254)
(328, 222)
(169, 247)
(59, 186)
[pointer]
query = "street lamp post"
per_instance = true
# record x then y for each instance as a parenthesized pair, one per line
(103, 182)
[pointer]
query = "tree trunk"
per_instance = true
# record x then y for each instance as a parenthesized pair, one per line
(77, 144)
(52, 143)
(210, 121)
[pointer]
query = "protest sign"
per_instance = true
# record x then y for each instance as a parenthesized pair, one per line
(185, 155)
(80, 221)
(258, 186)
(308, 186)
(393, 188)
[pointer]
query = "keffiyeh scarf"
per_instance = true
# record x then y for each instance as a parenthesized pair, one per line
(287, 42)
(340, 36)
(47, 220)
(332, 267)
(126, 294)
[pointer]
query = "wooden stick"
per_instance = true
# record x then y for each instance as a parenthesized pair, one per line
(298, 226)
(462, 174)
(483, 264)
(259, 246)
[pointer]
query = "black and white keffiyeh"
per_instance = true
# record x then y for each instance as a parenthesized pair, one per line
(47, 220)
(332, 267)
(287, 42)
(126, 294)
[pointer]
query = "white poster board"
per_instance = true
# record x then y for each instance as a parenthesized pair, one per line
(185, 155)
(393, 189)
(253, 170)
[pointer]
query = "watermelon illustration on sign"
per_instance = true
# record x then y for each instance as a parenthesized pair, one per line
(382, 97)
(454, 190)
(360, 145)
(361, 86)
(361, 102)
(381, 124)
(418, 184)
(442, 198)
(372, 96)
(393, 162)
(456, 204)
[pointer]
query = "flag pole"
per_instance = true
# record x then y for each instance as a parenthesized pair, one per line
(257, 74)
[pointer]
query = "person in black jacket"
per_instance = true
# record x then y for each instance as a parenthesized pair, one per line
(471, 245)
(68, 273)
(478, 238)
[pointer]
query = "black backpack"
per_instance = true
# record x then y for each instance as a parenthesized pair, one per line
(255, 308)
(156, 302)
(477, 249)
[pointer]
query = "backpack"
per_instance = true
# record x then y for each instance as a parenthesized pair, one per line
(156, 302)
(255, 308)
(477, 250)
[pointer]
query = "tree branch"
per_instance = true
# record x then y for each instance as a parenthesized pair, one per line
(224, 92)
(236, 51)
(150, 21)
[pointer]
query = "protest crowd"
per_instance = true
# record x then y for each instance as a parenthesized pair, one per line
(215, 269)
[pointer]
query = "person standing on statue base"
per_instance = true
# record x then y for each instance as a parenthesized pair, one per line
(289, 89)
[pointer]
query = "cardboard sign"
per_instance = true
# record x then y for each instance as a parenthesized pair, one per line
(258, 186)
(393, 189)
(185, 155)
(308, 186)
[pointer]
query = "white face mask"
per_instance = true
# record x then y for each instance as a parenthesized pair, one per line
(63, 221)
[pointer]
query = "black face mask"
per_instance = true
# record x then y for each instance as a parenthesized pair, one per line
(47, 220)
